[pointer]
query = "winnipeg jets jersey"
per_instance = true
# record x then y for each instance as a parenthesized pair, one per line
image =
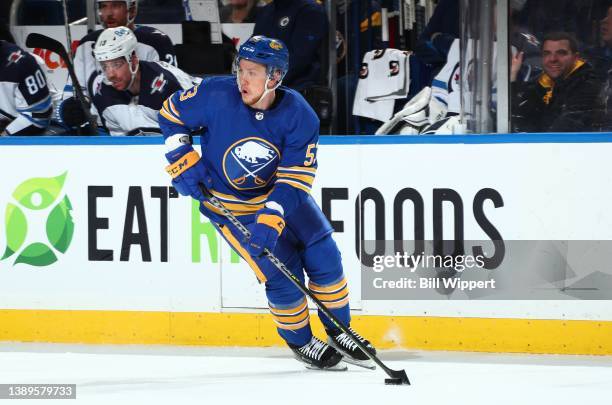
(25, 102)
(153, 45)
(447, 83)
(123, 113)
(253, 156)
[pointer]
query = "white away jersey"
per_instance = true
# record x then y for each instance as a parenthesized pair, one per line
(153, 45)
(383, 78)
(125, 114)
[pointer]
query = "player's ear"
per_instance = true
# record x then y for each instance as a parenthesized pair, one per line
(276, 77)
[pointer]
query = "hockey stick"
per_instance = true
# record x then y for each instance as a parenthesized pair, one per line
(67, 27)
(398, 377)
(36, 40)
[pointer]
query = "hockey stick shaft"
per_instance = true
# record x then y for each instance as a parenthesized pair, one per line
(67, 27)
(36, 40)
(394, 374)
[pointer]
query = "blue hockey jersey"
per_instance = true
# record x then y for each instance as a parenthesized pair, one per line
(253, 156)
(25, 101)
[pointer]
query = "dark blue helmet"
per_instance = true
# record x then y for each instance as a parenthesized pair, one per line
(268, 51)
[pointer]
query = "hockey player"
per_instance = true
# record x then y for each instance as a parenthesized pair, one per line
(260, 159)
(153, 45)
(25, 101)
(128, 94)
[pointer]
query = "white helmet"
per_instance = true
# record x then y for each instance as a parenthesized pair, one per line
(129, 4)
(114, 43)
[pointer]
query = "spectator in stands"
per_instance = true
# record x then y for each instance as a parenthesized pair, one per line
(302, 26)
(239, 11)
(540, 17)
(601, 56)
(564, 98)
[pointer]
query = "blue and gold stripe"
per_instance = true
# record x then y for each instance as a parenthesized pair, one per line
(297, 176)
(231, 239)
(169, 112)
(332, 296)
(291, 317)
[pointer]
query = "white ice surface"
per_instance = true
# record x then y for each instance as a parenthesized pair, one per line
(193, 375)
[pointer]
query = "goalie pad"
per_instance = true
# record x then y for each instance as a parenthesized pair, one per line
(414, 113)
(446, 126)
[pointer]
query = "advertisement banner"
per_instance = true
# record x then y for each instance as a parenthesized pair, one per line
(96, 226)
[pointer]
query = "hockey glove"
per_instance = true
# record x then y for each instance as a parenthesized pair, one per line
(188, 171)
(70, 113)
(269, 224)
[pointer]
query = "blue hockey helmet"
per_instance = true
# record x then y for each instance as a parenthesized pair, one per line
(268, 51)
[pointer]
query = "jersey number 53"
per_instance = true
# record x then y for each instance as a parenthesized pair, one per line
(311, 154)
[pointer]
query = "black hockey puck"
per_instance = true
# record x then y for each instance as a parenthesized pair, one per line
(393, 381)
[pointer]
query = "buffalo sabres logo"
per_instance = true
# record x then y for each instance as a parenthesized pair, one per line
(250, 163)
(276, 45)
(14, 57)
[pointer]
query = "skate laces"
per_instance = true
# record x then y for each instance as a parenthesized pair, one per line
(314, 349)
(345, 340)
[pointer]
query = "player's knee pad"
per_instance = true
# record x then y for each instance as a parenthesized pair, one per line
(308, 223)
(323, 262)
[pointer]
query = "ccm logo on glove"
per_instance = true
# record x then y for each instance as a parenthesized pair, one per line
(178, 167)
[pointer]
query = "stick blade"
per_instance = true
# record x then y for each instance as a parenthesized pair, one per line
(36, 40)
(398, 377)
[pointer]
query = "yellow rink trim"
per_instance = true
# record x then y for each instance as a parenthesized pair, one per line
(254, 329)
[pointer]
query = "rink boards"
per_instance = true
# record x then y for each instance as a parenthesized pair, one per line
(96, 248)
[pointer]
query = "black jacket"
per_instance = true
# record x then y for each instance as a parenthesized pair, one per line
(571, 104)
(302, 26)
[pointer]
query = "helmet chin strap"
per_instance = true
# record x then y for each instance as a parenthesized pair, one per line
(266, 89)
(133, 73)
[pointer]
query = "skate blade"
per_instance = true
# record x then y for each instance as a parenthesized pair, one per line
(369, 364)
(337, 367)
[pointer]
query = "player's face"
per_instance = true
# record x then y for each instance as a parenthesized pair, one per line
(558, 58)
(117, 71)
(113, 13)
(252, 78)
(606, 28)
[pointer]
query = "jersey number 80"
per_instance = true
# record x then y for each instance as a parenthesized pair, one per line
(35, 82)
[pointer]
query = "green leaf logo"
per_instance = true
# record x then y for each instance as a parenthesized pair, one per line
(16, 229)
(36, 194)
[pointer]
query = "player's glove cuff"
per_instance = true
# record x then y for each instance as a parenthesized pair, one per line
(271, 218)
(269, 224)
(188, 172)
(181, 159)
